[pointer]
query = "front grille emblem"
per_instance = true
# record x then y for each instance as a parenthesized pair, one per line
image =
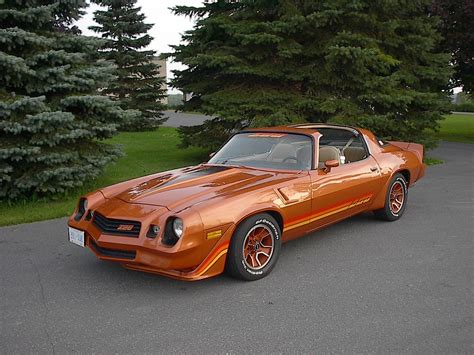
(125, 227)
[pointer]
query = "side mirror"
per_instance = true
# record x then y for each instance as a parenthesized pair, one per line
(330, 164)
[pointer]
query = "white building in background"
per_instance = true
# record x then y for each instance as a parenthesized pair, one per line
(162, 73)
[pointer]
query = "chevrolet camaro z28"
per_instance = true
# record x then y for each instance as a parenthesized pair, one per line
(263, 187)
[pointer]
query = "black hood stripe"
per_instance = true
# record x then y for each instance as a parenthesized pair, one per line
(205, 171)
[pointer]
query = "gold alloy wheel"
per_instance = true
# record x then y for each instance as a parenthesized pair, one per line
(258, 247)
(397, 197)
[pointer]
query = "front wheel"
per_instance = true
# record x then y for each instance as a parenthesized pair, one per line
(254, 248)
(395, 200)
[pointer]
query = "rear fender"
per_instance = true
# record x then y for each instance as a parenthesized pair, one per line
(415, 148)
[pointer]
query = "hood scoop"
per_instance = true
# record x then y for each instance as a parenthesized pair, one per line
(162, 182)
(180, 189)
(208, 170)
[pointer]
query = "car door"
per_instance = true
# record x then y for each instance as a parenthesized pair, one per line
(343, 191)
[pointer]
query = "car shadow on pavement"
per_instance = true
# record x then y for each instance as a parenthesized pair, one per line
(114, 276)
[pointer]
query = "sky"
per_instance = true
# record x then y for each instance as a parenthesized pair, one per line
(167, 27)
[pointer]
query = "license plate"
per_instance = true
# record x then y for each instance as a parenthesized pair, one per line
(76, 236)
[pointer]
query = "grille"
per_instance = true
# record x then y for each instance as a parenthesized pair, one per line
(116, 226)
(113, 253)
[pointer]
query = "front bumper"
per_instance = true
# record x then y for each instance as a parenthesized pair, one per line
(194, 257)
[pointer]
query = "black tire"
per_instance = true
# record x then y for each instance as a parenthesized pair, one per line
(389, 212)
(244, 241)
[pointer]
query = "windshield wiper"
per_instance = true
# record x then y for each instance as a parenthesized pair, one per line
(224, 162)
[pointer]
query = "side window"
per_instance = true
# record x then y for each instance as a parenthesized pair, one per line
(342, 144)
(354, 150)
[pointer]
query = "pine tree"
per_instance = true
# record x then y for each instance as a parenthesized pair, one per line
(139, 85)
(261, 62)
(65, 13)
(51, 117)
(457, 17)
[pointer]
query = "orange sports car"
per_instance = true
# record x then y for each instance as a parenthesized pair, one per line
(265, 186)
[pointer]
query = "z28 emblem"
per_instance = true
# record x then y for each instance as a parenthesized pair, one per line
(125, 227)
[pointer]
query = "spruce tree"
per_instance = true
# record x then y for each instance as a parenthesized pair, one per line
(65, 13)
(457, 18)
(261, 62)
(139, 85)
(51, 118)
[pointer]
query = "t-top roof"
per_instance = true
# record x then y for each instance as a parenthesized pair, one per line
(306, 128)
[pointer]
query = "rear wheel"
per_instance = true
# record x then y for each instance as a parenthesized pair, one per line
(254, 248)
(395, 200)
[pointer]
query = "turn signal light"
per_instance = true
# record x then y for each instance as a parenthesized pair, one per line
(153, 231)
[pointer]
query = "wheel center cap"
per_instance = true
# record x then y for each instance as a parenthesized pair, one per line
(257, 245)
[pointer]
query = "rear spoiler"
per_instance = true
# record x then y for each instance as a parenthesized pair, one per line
(416, 148)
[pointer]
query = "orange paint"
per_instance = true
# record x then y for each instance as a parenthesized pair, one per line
(212, 199)
(328, 211)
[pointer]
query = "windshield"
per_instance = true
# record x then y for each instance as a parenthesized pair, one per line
(282, 151)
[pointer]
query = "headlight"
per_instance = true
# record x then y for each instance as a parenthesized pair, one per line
(84, 203)
(173, 231)
(81, 209)
(178, 227)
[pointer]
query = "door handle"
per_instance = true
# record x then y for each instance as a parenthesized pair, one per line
(374, 168)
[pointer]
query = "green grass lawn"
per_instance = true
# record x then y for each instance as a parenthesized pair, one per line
(457, 128)
(454, 128)
(145, 153)
(149, 152)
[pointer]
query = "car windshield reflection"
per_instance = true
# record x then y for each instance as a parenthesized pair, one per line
(280, 151)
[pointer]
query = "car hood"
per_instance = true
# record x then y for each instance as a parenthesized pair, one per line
(186, 187)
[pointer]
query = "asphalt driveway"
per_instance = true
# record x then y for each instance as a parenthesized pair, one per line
(359, 286)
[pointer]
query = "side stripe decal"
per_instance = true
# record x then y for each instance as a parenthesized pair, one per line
(328, 212)
(222, 250)
(211, 260)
